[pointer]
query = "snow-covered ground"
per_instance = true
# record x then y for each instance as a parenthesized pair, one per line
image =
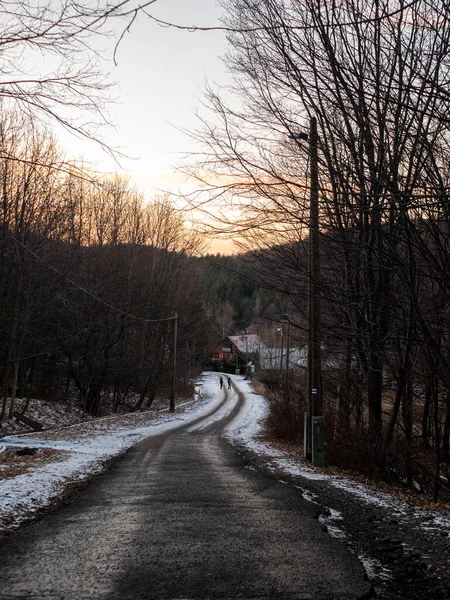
(82, 450)
(245, 430)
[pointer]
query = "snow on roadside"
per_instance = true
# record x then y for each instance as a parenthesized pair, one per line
(247, 428)
(84, 450)
(374, 569)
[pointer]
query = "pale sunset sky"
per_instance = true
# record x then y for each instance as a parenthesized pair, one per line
(160, 77)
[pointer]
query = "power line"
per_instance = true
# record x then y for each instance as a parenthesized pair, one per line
(83, 289)
(195, 28)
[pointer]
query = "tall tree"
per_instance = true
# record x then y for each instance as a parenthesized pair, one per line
(372, 73)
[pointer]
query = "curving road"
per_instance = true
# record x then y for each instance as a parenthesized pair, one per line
(181, 516)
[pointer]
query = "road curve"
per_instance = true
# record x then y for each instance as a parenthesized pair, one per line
(181, 516)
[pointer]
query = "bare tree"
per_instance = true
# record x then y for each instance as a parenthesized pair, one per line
(373, 76)
(68, 39)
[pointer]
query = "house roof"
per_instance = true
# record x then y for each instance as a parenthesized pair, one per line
(247, 343)
(271, 358)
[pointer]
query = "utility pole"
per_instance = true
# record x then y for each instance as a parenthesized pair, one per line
(315, 361)
(174, 367)
(280, 329)
(314, 433)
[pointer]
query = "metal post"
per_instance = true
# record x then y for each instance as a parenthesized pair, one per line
(317, 442)
(174, 368)
(280, 329)
(288, 349)
(306, 434)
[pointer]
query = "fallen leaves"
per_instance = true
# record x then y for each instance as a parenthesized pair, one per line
(12, 464)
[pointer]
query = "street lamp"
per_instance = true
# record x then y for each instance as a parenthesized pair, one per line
(174, 365)
(298, 135)
(313, 444)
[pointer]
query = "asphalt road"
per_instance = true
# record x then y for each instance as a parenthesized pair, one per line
(181, 516)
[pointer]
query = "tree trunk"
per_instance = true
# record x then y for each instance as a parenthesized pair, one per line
(437, 442)
(426, 413)
(408, 423)
(375, 394)
(446, 433)
(14, 388)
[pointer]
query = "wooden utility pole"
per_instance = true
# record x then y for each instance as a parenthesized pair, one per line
(314, 298)
(314, 350)
(174, 367)
(280, 329)
(313, 442)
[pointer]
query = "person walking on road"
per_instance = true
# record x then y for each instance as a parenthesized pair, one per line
(221, 383)
(229, 383)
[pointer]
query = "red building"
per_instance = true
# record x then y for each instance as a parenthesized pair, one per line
(225, 351)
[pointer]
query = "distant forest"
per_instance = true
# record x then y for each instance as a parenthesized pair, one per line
(91, 278)
(232, 293)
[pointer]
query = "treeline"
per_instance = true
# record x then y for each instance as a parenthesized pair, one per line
(90, 276)
(229, 292)
(233, 293)
(375, 77)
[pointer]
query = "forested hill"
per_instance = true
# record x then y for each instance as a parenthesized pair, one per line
(91, 279)
(231, 292)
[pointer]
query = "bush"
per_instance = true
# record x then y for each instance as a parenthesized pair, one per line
(286, 417)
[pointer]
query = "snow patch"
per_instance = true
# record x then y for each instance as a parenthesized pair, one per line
(246, 428)
(84, 453)
(374, 568)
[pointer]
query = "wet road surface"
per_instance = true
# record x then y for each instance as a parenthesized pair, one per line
(181, 516)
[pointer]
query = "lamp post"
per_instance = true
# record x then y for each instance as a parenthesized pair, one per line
(280, 329)
(174, 365)
(288, 348)
(313, 444)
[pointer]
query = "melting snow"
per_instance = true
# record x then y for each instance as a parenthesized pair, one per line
(85, 448)
(246, 428)
(84, 453)
(375, 569)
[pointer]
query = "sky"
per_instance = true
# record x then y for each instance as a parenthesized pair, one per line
(160, 78)
(161, 72)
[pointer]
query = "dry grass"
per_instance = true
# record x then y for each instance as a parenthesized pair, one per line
(295, 452)
(407, 468)
(259, 387)
(12, 464)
